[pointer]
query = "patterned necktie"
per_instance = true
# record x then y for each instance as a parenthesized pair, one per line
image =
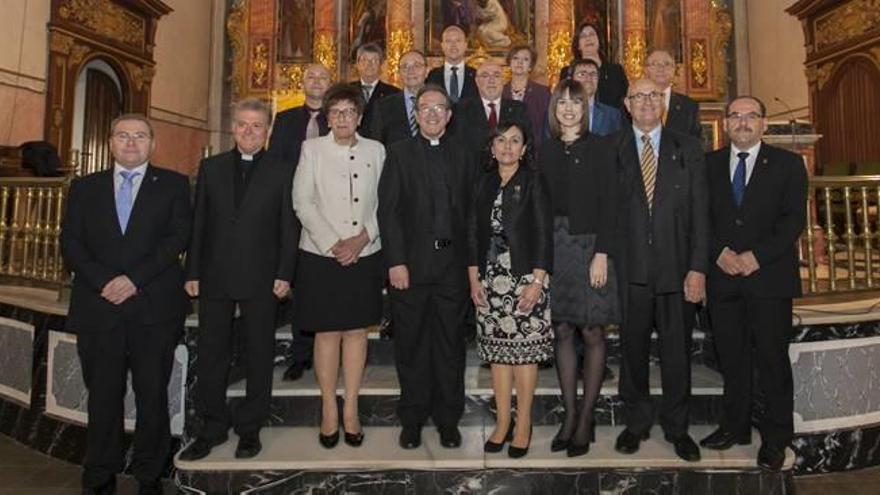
(739, 178)
(453, 85)
(649, 169)
(125, 197)
(312, 130)
(413, 125)
(368, 90)
(493, 116)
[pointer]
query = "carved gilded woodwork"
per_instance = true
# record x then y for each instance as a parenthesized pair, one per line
(324, 49)
(699, 64)
(846, 22)
(634, 53)
(291, 76)
(60, 43)
(558, 52)
(399, 42)
(720, 30)
(105, 18)
(823, 74)
(236, 31)
(260, 65)
(77, 55)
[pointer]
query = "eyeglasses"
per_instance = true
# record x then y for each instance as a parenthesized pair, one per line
(438, 108)
(493, 75)
(124, 137)
(345, 113)
(587, 74)
(640, 97)
(748, 117)
(409, 67)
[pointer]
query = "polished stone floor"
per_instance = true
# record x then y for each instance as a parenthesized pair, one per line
(25, 472)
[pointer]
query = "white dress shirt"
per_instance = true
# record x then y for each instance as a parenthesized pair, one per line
(489, 110)
(141, 170)
(335, 192)
(750, 160)
(447, 75)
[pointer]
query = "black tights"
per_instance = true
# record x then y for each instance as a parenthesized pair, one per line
(566, 370)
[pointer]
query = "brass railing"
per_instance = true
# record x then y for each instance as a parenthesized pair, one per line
(31, 210)
(839, 247)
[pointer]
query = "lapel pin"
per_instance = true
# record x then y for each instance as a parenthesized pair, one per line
(764, 161)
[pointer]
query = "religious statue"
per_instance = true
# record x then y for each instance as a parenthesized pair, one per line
(296, 30)
(492, 24)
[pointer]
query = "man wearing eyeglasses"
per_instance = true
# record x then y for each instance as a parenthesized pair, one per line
(424, 197)
(682, 113)
(369, 65)
(394, 118)
(123, 233)
(663, 237)
(476, 118)
(757, 212)
(604, 119)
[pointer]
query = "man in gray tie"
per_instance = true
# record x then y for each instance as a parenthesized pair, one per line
(122, 236)
(454, 75)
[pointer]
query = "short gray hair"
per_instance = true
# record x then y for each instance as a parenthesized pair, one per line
(254, 105)
(139, 117)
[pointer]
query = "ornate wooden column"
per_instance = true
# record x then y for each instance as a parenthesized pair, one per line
(399, 36)
(634, 43)
(324, 47)
(560, 27)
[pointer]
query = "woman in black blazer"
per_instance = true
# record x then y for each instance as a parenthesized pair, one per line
(579, 167)
(613, 83)
(510, 248)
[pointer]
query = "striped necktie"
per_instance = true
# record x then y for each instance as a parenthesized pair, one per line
(413, 125)
(649, 169)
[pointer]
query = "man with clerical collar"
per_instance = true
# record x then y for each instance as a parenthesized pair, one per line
(664, 231)
(369, 65)
(424, 197)
(241, 254)
(758, 204)
(682, 114)
(394, 117)
(122, 236)
(455, 76)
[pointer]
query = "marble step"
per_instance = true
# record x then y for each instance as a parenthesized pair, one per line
(297, 449)
(298, 403)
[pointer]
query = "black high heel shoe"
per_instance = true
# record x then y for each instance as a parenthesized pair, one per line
(517, 452)
(575, 450)
(354, 439)
(558, 443)
(492, 447)
(328, 441)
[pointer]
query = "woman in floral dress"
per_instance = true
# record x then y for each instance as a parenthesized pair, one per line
(510, 236)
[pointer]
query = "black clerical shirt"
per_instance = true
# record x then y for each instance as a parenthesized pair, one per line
(440, 191)
(244, 170)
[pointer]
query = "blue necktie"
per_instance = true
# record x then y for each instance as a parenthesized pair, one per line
(739, 178)
(124, 197)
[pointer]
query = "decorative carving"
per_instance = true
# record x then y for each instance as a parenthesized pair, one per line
(720, 29)
(137, 75)
(634, 53)
(105, 18)
(77, 54)
(60, 43)
(558, 53)
(260, 65)
(291, 76)
(236, 30)
(823, 73)
(811, 73)
(399, 42)
(325, 51)
(847, 22)
(699, 63)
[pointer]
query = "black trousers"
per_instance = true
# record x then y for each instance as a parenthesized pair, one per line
(741, 323)
(147, 351)
(646, 311)
(429, 348)
(257, 327)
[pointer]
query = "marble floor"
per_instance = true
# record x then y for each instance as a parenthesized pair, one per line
(26, 472)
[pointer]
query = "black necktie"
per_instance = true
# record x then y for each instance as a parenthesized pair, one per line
(453, 85)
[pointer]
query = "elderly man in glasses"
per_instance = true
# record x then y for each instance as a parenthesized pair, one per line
(424, 198)
(663, 232)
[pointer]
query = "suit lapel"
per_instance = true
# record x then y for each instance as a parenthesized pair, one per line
(108, 185)
(142, 200)
(667, 159)
(721, 168)
(598, 117)
(630, 154)
(760, 170)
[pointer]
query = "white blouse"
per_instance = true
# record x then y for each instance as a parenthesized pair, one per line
(335, 192)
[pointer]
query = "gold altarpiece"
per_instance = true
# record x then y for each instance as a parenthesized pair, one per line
(703, 51)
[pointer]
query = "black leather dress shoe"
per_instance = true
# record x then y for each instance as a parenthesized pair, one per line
(248, 446)
(628, 442)
(410, 437)
(722, 440)
(685, 447)
(151, 487)
(201, 448)
(450, 437)
(771, 457)
(296, 371)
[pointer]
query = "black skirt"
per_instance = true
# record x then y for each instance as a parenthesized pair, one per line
(330, 297)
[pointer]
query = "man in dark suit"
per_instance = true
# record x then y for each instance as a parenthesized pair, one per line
(663, 237)
(757, 211)
(424, 197)
(240, 254)
(291, 128)
(454, 76)
(123, 233)
(395, 118)
(682, 113)
(476, 118)
(604, 119)
(369, 64)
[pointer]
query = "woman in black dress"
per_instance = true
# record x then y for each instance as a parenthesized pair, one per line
(510, 244)
(339, 271)
(613, 84)
(579, 167)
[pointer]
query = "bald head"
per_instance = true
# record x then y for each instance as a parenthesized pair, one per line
(490, 80)
(316, 80)
(644, 100)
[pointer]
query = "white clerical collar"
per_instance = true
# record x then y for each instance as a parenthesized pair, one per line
(434, 141)
(246, 156)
